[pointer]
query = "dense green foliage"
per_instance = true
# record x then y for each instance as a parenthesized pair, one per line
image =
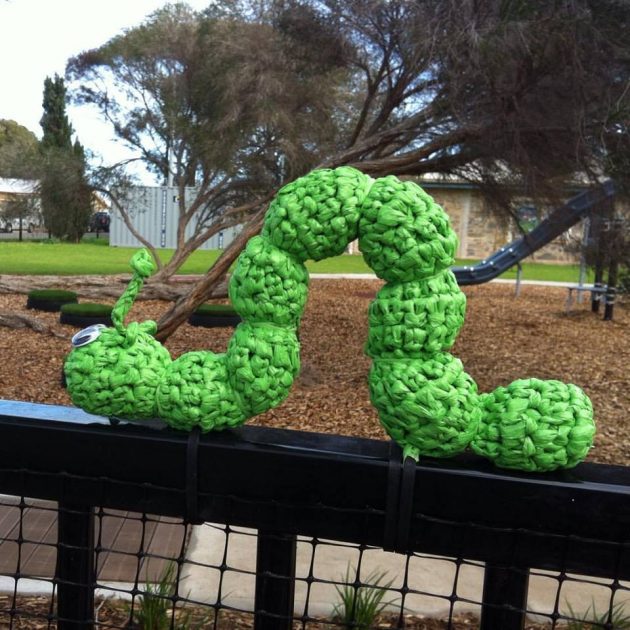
(52, 295)
(89, 309)
(65, 193)
(18, 145)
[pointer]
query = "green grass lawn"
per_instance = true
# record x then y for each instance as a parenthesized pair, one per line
(94, 256)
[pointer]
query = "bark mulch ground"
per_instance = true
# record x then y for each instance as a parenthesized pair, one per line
(504, 338)
(35, 613)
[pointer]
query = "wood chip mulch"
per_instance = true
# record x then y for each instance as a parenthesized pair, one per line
(34, 613)
(504, 338)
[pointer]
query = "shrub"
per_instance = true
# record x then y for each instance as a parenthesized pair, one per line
(53, 295)
(88, 309)
(49, 299)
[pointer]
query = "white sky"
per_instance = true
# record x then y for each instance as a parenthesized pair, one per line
(37, 37)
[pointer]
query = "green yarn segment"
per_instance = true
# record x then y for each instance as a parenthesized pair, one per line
(316, 216)
(117, 376)
(268, 285)
(143, 266)
(262, 361)
(417, 318)
(430, 407)
(535, 425)
(403, 234)
(195, 392)
(425, 400)
(118, 373)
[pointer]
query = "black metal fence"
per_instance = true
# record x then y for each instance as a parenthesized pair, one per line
(122, 525)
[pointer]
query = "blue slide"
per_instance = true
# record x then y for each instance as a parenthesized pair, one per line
(555, 224)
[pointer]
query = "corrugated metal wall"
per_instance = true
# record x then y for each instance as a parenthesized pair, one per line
(153, 210)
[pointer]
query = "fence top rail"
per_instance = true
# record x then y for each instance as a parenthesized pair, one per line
(610, 477)
(325, 486)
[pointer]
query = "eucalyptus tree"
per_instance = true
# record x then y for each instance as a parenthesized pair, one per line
(514, 95)
(18, 146)
(212, 102)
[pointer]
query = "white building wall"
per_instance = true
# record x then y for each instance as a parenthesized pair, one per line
(153, 211)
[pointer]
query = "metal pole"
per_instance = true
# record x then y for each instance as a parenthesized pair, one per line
(611, 290)
(519, 273)
(582, 274)
(75, 567)
(275, 581)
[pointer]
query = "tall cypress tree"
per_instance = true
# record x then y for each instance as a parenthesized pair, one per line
(65, 194)
(55, 124)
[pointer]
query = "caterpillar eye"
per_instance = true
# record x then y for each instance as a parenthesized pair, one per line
(87, 335)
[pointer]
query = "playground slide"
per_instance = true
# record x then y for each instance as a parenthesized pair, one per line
(555, 224)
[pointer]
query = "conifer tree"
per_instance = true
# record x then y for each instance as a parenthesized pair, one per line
(65, 194)
(55, 124)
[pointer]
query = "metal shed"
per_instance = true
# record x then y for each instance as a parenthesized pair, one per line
(153, 211)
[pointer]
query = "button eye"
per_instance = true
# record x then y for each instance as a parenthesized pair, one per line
(87, 335)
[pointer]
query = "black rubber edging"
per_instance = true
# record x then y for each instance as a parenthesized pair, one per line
(214, 321)
(83, 321)
(47, 305)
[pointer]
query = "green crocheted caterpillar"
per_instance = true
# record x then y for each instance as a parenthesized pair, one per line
(425, 399)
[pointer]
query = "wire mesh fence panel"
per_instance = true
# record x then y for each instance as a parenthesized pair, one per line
(156, 572)
(296, 531)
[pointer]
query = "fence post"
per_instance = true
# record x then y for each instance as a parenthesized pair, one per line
(504, 599)
(75, 567)
(275, 581)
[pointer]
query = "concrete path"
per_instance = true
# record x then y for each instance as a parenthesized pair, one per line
(371, 276)
(434, 579)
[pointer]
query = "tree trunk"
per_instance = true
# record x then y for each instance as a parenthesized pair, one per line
(106, 287)
(206, 286)
(20, 320)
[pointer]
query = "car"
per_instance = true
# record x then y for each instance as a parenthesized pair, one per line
(29, 224)
(99, 222)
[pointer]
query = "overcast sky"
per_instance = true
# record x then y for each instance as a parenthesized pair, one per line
(36, 39)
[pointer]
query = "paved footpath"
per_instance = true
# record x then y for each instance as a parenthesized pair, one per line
(436, 578)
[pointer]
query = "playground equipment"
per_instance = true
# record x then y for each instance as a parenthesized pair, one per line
(426, 401)
(559, 221)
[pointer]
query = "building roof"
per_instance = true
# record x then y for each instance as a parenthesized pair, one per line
(18, 186)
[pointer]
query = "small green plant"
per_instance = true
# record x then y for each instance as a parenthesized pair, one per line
(154, 609)
(88, 309)
(359, 606)
(591, 621)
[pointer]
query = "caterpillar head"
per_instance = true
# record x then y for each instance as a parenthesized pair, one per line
(115, 371)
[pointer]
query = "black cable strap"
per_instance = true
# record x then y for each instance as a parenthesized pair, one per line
(405, 507)
(192, 477)
(401, 479)
(393, 497)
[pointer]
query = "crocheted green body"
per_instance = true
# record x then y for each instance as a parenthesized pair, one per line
(535, 425)
(429, 406)
(425, 400)
(417, 318)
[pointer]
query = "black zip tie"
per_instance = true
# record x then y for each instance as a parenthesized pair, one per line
(405, 507)
(401, 481)
(192, 477)
(393, 496)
